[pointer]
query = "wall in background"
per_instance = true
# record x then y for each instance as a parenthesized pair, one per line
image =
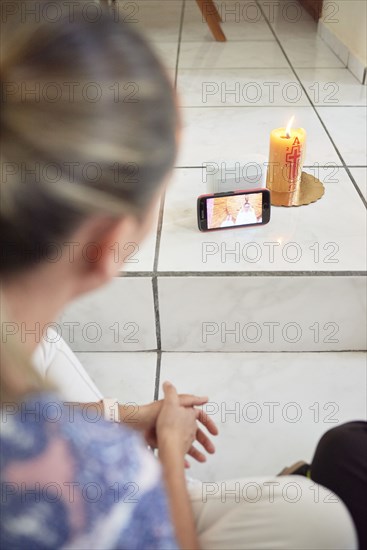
(347, 20)
(343, 27)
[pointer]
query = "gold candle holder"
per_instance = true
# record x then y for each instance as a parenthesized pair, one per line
(310, 190)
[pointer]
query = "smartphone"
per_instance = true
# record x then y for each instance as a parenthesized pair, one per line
(233, 209)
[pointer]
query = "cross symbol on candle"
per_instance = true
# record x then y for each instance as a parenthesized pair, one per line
(293, 159)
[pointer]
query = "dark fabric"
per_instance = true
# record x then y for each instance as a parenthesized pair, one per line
(340, 464)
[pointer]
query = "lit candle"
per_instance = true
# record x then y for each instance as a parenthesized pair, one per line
(287, 151)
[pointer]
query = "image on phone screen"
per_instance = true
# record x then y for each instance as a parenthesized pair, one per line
(234, 211)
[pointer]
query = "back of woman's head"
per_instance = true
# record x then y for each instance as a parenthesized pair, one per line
(88, 124)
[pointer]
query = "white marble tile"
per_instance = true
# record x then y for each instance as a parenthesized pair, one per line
(320, 241)
(158, 20)
(229, 55)
(308, 393)
(274, 313)
(347, 127)
(288, 17)
(333, 87)
(303, 28)
(296, 25)
(289, 20)
(140, 256)
(309, 52)
(241, 20)
(167, 52)
(130, 377)
(118, 317)
(219, 134)
(360, 176)
(239, 87)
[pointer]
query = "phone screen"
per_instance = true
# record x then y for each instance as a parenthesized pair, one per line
(234, 211)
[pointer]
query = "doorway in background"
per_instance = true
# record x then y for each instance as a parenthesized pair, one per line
(314, 7)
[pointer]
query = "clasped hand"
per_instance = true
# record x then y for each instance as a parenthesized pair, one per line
(175, 420)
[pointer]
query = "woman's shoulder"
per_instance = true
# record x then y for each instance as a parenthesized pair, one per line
(27, 427)
(100, 452)
(82, 473)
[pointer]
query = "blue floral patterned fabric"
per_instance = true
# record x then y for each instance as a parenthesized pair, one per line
(71, 480)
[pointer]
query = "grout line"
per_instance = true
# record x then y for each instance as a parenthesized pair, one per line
(249, 68)
(313, 106)
(338, 106)
(155, 275)
(234, 41)
(262, 273)
(159, 233)
(272, 106)
(118, 351)
(179, 40)
(236, 68)
(327, 166)
(157, 375)
(359, 191)
(233, 352)
(265, 68)
(159, 228)
(161, 353)
(156, 310)
(129, 274)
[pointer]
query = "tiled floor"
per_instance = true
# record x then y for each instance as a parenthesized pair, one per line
(291, 296)
(270, 408)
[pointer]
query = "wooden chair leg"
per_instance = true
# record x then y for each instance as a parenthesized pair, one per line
(212, 17)
(212, 8)
(216, 12)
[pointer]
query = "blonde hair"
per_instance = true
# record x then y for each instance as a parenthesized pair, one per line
(89, 125)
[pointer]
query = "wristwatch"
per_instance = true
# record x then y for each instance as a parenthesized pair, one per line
(111, 409)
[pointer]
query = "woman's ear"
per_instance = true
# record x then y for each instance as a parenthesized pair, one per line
(116, 245)
(107, 244)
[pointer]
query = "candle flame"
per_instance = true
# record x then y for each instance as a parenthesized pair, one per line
(288, 128)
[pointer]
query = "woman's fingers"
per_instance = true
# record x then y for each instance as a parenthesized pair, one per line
(188, 400)
(170, 393)
(191, 412)
(197, 455)
(206, 421)
(204, 440)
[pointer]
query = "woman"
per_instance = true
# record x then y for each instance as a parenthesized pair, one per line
(88, 140)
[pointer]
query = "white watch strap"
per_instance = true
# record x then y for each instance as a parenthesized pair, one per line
(111, 409)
